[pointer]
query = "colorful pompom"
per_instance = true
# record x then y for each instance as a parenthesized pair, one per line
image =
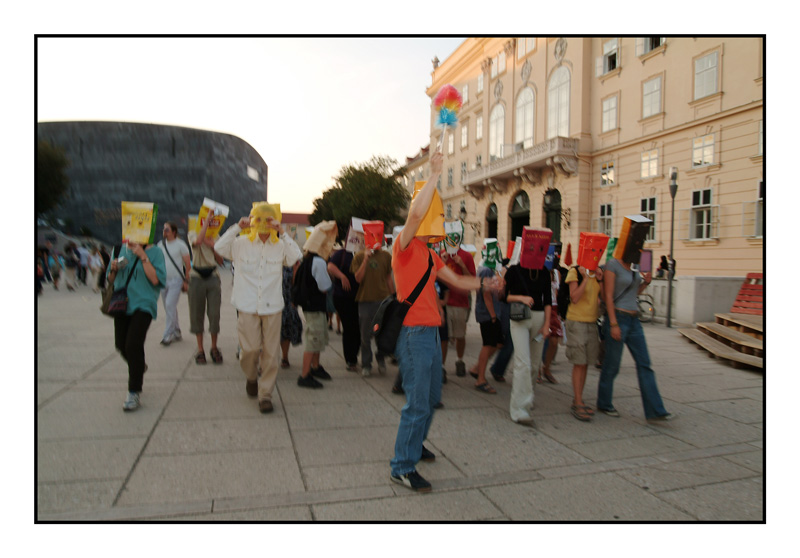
(448, 102)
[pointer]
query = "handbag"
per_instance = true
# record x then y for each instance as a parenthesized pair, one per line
(518, 311)
(115, 302)
(389, 317)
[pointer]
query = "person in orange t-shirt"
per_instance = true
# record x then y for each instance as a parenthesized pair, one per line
(418, 349)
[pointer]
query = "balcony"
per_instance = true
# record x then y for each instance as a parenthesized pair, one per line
(526, 163)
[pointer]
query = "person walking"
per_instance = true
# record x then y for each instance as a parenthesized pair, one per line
(312, 283)
(205, 291)
(95, 267)
(487, 314)
(145, 268)
(105, 258)
(622, 327)
(55, 262)
(259, 258)
(372, 269)
(176, 254)
(71, 262)
(418, 349)
(291, 324)
(460, 262)
(345, 288)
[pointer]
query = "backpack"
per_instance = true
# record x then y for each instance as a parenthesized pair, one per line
(563, 298)
(299, 285)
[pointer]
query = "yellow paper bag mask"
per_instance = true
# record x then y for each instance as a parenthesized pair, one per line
(260, 216)
(432, 224)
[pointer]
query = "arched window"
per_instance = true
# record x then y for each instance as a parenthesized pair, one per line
(558, 104)
(525, 112)
(491, 221)
(520, 214)
(496, 132)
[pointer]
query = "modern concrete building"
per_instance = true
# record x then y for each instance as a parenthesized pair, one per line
(172, 166)
(575, 133)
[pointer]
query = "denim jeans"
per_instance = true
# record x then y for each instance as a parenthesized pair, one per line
(633, 337)
(366, 311)
(419, 356)
(504, 355)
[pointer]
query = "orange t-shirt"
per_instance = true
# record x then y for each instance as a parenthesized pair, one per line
(409, 266)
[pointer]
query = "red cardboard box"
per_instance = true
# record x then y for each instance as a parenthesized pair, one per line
(535, 243)
(590, 249)
(373, 234)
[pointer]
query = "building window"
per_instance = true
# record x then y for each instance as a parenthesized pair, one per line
(759, 228)
(450, 177)
(648, 209)
(705, 75)
(525, 112)
(701, 214)
(649, 166)
(610, 59)
(607, 174)
(648, 44)
(463, 171)
(499, 64)
(525, 45)
(606, 219)
(558, 104)
(651, 97)
(449, 211)
(703, 151)
(464, 134)
(609, 113)
(497, 130)
(480, 83)
(450, 143)
(465, 94)
(479, 127)
(478, 161)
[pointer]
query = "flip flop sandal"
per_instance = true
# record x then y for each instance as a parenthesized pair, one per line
(580, 414)
(474, 375)
(200, 358)
(216, 356)
(550, 378)
(485, 388)
(589, 410)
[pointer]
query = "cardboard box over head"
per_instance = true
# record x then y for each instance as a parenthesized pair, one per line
(590, 249)
(354, 242)
(631, 238)
(220, 214)
(535, 243)
(373, 234)
(139, 222)
(432, 224)
(555, 248)
(455, 236)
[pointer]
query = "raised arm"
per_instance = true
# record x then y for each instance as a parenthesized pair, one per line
(421, 204)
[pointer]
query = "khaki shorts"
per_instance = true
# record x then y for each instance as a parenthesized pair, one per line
(457, 322)
(583, 345)
(315, 332)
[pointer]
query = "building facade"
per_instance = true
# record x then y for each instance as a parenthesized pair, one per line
(575, 133)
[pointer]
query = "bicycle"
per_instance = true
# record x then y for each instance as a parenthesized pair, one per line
(647, 309)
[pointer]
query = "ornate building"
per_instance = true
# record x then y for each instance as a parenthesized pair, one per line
(575, 133)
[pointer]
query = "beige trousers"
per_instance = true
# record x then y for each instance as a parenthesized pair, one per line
(260, 336)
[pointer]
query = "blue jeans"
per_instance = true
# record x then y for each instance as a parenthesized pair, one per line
(504, 355)
(419, 356)
(633, 337)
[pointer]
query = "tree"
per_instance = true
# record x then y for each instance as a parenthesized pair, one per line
(369, 190)
(51, 182)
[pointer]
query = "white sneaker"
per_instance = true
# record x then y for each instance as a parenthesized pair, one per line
(132, 402)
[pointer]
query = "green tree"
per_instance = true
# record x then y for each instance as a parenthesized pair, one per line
(51, 182)
(368, 190)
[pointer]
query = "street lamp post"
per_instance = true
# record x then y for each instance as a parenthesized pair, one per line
(673, 189)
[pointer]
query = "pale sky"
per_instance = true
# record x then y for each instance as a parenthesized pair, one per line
(308, 105)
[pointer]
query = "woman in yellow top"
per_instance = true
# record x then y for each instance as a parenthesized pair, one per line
(582, 342)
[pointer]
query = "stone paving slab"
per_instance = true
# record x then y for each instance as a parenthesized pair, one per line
(218, 435)
(86, 459)
(739, 500)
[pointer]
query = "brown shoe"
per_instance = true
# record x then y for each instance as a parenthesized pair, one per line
(251, 388)
(265, 406)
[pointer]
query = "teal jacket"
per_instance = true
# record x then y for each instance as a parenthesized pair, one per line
(142, 294)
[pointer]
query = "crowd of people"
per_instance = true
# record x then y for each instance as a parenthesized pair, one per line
(79, 265)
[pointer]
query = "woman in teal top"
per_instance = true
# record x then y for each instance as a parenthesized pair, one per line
(146, 263)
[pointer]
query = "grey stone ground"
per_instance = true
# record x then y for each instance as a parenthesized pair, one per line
(198, 449)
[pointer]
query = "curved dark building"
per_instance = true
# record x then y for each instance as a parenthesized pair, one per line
(172, 166)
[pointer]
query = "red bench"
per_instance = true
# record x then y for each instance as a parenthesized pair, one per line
(750, 299)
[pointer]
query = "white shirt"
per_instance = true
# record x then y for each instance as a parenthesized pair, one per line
(258, 276)
(177, 249)
(319, 270)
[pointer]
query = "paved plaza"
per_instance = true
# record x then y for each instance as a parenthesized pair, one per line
(199, 450)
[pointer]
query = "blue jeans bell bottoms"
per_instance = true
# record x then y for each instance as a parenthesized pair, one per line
(633, 337)
(419, 356)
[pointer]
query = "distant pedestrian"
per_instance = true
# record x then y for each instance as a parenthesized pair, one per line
(291, 324)
(345, 288)
(72, 260)
(312, 282)
(176, 255)
(372, 269)
(55, 262)
(205, 291)
(95, 267)
(101, 277)
(83, 265)
(460, 262)
(487, 314)
(259, 257)
(144, 264)
(663, 268)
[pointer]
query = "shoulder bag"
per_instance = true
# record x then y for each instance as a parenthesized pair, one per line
(115, 302)
(519, 311)
(389, 317)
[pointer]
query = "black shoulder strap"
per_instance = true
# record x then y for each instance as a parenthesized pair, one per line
(412, 298)
(164, 245)
(130, 275)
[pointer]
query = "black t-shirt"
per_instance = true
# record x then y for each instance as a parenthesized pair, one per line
(342, 260)
(530, 282)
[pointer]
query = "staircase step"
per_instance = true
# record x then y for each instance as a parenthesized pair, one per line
(719, 350)
(751, 325)
(733, 338)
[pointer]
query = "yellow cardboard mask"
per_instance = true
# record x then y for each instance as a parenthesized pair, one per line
(321, 239)
(260, 216)
(432, 224)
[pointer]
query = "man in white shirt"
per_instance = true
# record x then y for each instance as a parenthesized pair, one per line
(259, 258)
(176, 258)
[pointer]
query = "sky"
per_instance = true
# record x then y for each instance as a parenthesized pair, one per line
(308, 106)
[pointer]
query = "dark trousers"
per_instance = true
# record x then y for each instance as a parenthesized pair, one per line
(129, 335)
(347, 308)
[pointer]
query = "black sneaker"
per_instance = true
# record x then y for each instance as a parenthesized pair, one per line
(320, 373)
(308, 382)
(413, 481)
(427, 455)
